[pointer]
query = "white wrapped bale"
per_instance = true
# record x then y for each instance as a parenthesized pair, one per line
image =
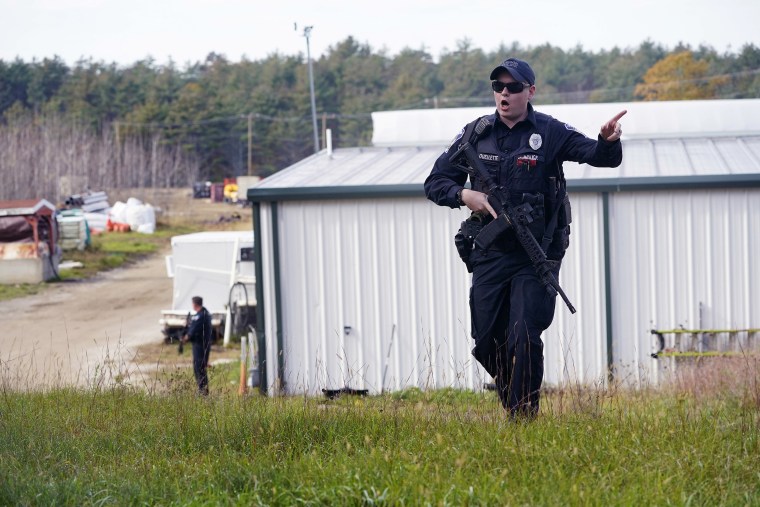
(118, 213)
(141, 218)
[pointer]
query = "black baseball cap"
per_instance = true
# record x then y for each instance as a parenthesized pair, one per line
(518, 69)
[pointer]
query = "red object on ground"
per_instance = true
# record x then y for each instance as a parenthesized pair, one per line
(117, 226)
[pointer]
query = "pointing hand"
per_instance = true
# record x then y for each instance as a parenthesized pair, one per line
(612, 130)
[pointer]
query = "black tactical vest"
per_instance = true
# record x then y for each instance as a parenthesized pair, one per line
(526, 170)
(530, 176)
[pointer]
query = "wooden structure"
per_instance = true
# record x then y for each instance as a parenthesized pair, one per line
(28, 241)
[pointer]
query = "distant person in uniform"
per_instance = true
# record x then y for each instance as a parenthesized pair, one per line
(523, 150)
(200, 335)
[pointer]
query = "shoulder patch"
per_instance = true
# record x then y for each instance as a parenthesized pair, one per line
(573, 129)
(456, 138)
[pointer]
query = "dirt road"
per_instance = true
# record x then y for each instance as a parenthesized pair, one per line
(83, 333)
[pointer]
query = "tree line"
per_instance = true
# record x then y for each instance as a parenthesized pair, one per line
(159, 125)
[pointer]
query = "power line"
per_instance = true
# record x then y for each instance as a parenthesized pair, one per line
(221, 119)
(545, 96)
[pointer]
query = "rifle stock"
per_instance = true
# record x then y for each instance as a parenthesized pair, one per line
(508, 217)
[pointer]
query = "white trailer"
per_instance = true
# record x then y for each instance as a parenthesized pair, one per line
(217, 266)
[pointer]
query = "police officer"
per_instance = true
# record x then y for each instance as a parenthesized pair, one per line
(523, 151)
(200, 334)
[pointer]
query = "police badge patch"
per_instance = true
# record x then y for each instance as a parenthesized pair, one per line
(535, 141)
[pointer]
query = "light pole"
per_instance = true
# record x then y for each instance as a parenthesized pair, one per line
(307, 34)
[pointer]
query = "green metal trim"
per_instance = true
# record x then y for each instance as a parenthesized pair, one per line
(607, 280)
(278, 295)
(334, 192)
(664, 183)
(260, 314)
(407, 190)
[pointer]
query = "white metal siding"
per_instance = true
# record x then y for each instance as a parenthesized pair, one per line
(360, 278)
(575, 346)
(686, 258)
(357, 275)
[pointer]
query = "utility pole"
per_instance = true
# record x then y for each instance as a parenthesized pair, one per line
(324, 130)
(250, 144)
(307, 34)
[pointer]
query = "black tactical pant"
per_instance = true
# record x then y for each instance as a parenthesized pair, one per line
(510, 308)
(201, 352)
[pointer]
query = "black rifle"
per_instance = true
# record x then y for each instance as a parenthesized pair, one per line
(509, 217)
(181, 348)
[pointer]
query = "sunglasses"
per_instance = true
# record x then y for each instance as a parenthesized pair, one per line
(514, 87)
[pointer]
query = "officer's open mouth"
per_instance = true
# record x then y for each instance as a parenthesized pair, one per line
(504, 103)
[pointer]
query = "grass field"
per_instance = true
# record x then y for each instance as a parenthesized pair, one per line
(695, 443)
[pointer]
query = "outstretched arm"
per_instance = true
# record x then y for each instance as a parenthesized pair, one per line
(605, 151)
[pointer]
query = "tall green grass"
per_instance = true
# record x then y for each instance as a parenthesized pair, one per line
(588, 447)
(19, 290)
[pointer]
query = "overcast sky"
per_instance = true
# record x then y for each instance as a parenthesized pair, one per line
(125, 31)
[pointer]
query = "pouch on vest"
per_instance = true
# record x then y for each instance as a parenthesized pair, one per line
(464, 239)
(565, 215)
(535, 219)
(561, 236)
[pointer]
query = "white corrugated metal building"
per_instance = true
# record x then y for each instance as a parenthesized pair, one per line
(360, 285)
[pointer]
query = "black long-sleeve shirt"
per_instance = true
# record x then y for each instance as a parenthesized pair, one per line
(562, 143)
(200, 327)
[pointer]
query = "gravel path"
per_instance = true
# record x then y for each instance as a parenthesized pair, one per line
(83, 333)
